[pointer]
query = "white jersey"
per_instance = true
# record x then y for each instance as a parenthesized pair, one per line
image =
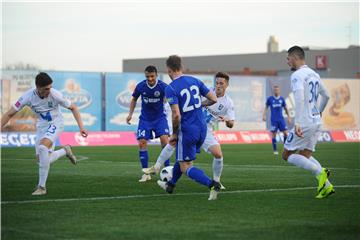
(309, 81)
(47, 109)
(224, 107)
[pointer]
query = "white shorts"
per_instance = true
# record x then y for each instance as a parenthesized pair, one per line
(308, 141)
(51, 132)
(210, 140)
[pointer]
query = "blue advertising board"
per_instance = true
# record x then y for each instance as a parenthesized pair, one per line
(84, 90)
(119, 88)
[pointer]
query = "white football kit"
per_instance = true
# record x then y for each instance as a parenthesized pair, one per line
(308, 84)
(224, 107)
(50, 120)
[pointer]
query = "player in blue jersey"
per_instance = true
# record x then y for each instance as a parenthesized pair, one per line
(277, 104)
(152, 118)
(189, 127)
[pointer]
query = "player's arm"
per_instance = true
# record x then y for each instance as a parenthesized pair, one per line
(299, 106)
(75, 111)
(176, 117)
(131, 109)
(210, 99)
(287, 113)
(7, 116)
(324, 97)
(265, 112)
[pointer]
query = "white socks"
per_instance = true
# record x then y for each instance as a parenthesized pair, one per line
(44, 165)
(165, 154)
(302, 162)
(56, 155)
(218, 164)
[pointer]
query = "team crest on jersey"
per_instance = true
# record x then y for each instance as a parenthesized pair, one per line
(156, 93)
(220, 107)
(50, 104)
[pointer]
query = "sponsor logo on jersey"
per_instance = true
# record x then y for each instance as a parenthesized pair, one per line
(17, 104)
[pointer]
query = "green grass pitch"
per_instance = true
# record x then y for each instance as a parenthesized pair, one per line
(101, 197)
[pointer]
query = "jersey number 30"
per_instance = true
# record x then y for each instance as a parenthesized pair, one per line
(194, 89)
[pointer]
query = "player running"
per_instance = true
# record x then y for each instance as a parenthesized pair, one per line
(276, 104)
(189, 127)
(223, 111)
(152, 118)
(45, 101)
(306, 86)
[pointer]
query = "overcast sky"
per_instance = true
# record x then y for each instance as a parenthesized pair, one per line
(90, 36)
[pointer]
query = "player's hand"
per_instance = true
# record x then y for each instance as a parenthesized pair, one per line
(173, 139)
(298, 131)
(84, 132)
(222, 119)
(289, 119)
(128, 119)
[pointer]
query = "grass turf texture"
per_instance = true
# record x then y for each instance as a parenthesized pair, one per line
(150, 213)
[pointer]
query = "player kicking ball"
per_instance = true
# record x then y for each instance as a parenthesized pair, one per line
(221, 111)
(277, 104)
(306, 86)
(45, 102)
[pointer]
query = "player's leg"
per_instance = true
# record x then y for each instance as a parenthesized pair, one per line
(143, 135)
(273, 141)
(162, 130)
(164, 140)
(273, 130)
(46, 138)
(43, 148)
(302, 159)
(283, 129)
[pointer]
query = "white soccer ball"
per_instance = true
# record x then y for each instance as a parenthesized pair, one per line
(166, 173)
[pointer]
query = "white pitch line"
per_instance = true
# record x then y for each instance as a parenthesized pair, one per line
(166, 195)
(82, 158)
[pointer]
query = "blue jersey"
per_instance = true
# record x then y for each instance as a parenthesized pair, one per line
(186, 91)
(276, 106)
(152, 100)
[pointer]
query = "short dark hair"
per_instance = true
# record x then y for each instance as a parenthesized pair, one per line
(222, 75)
(151, 69)
(43, 80)
(298, 51)
(174, 63)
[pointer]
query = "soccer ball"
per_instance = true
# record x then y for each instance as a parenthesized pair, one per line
(166, 173)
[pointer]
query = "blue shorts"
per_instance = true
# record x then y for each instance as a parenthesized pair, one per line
(189, 141)
(146, 128)
(278, 125)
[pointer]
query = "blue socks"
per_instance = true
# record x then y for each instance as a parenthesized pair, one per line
(176, 174)
(199, 176)
(274, 144)
(144, 158)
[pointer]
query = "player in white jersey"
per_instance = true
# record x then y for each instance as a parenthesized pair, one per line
(306, 86)
(222, 111)
(45, 103)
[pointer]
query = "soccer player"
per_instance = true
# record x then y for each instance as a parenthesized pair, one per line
(222, 110)
(300, 144)
(189, 126)
(276, 104)
(45, 101)
(152, 118)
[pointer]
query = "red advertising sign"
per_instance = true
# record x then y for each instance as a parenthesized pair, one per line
(346, 136)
